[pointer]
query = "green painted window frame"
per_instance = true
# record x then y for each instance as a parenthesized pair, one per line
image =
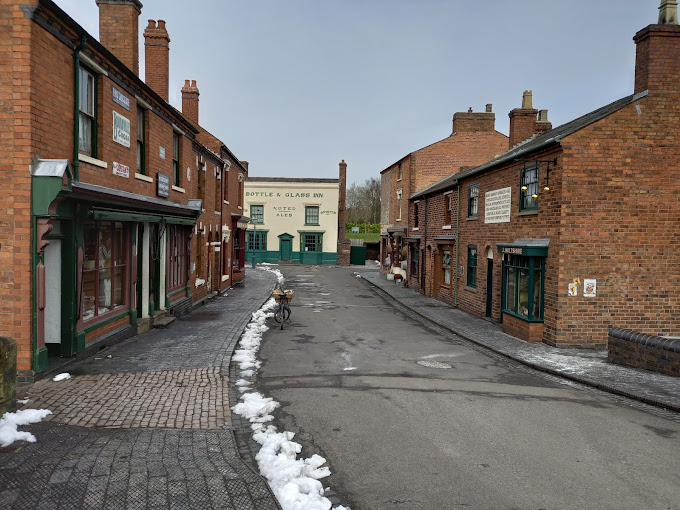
(257, 241)
(141, 140)
(175, 158)
(529, 179)
(533, 268)
(311, 212)
(472, 254)
(473, 201)
(257, 214)
(88, 82)
(317, 243)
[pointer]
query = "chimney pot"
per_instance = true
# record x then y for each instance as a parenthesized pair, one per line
(161, 24)
(543, 116)
(470, 110)
(186, 83)
(193, 83)
(489, 108)
(668, 12)
(152, 24)
(527, 100)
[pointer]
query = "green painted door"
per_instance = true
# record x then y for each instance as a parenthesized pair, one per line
(285, 249)
(357, 255)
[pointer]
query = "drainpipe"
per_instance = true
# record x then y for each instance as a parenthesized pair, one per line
(76, 106)
(455, 296)
(423, 253)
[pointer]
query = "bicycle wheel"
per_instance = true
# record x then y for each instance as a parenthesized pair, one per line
(278, 314)
(286, 314)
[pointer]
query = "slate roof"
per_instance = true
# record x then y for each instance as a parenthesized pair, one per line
(553, 136)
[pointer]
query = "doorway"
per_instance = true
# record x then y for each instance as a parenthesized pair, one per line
(489, 282)
(285, 247)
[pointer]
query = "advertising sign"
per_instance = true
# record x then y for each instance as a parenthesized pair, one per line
(121, 170)
(120, 98)
(497, 205)
(121, 129)
(163, 187)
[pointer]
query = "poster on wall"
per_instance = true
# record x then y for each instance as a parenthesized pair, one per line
(120, 169)
(589, 288)
(121, 129)
(497, 205)
(573, 289)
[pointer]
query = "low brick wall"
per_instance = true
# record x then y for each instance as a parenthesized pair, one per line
(639, 350)
(8, 375)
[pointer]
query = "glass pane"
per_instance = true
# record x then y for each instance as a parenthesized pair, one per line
(523, 293)
(119, 244)
(118, 286)
(447, 276)
(538, 292)
(85, 133)
(89, 270)
(139, 156)
(510, 290)
(104, 302)
(140, 125)
(105, 244)
(88, 293)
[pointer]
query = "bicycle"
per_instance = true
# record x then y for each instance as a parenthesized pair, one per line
(283, 297)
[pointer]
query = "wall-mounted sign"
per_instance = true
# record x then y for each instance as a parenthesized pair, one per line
(122, 170)
(163, 187)
(511, 250)
(161, 152)
(189, 174)
(589, 288)
(120, 98)
(497, 205)
(121, 129)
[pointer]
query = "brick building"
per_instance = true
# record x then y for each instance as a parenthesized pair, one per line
(473, 140)
(117, 206)
(575, 229)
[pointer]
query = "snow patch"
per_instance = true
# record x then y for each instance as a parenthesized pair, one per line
(61, 377)
(24, 401)
(10, 421)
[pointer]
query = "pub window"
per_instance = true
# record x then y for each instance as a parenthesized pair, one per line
(415, 215)
(528, 189)
(257, 241)
(473, 200)
(104, 271)
(218, 189)
(175, 158)
(312, 215)
(257, 214)
(472, 265)
(446, 265)
(87, 118)
(447, 209)
(177, 257)
(311, 242)
(141, 145)
(523, 280)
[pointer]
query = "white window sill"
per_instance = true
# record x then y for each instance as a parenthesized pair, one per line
(415, 228)
(446, 227)
(240, 208)
(143, 177)
(177, 188)
(398, 219)
(225, 277)
(93, 161)
(218, 213)
(399, 180)
(226, 202)
(199, 282)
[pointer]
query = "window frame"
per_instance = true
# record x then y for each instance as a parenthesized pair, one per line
(253, 215)
(472, 265)
(446, 255)
(176, 272)
(473, 200)
(416, 219)
(447, 208)
(91, 116)
(318, 243)
(526, 200)
(260, 236)
(218, 189)
(311, 208)
(141, 142)
(535, 268)
(176, 152)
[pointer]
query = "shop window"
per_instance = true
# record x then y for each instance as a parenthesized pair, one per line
(447, 209)
(472, 266)
(312, 215)
(311, 242)
(257, 214)
(528, 189)
(257, 241)
(523, 280)
(414, 260)
(175, 159)
(177, 257)
(87, 119)
(473, 200)
(446, 266)
(104, 271)
(141, 142)
(218, 189)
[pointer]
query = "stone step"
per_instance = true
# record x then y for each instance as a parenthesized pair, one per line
(163, 322)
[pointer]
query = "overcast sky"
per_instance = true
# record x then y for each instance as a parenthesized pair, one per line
(294, 86)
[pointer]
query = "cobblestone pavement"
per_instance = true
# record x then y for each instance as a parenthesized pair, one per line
(584, 366)
(145, 423)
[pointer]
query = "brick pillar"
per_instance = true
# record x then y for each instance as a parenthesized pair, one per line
(344, 245)
(119, 30)
(190, 100)
(157, 57)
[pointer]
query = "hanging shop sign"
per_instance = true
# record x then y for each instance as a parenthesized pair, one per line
(120, 98)
(121, 129)
(163, 187)
(497, 205)
(121, 170)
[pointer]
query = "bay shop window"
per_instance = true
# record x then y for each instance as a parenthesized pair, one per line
(523, 281)
(105, 280)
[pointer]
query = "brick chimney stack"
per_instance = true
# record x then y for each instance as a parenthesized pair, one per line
(657, 58)
(190, 100)
(471, 122)
(157, 57)
(526, 121)
(119, 30)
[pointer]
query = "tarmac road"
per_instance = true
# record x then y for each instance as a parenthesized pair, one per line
(412, 417)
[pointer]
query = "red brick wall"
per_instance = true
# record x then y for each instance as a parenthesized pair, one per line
(529, 331)
(106, 328)
(119, 32)
(157, 57)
